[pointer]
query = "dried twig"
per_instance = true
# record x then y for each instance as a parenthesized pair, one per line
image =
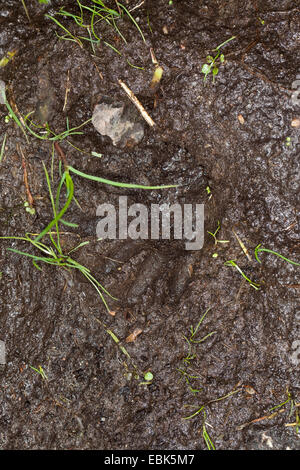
(137, 103)
(242, 245)
(61, 153)
(29, 195)
(137, 6)
(68, 89)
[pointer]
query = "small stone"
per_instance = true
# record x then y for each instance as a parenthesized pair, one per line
(119, 121)
(250, 390)
(241, 119)
(295, 122)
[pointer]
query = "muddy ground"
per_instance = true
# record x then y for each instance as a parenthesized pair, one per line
(234, 137)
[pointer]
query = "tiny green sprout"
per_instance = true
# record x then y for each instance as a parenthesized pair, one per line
(206, 69)
(261, 21)
(148, 376)
(288, 141)
(40, 371)
(208, 191)
(30, 210)
(215, 255)
(96, 154)
(214, 235)
(215, 71)
(7, 118)
(212, 62)
(170, 2)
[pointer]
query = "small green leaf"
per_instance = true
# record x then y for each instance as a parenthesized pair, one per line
(206, 69)
(148, 376)
(209, 59)
(215, 71)
(222, 58)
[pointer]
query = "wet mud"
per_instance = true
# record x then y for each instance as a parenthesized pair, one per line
(231, 145)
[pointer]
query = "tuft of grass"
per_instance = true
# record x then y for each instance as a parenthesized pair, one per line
(40, 371)
(69, 36)
(49, 135)
(52, 253)
(195, 331)
(90, 16)
(186, 371)
(257, 250)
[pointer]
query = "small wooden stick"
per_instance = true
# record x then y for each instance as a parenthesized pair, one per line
(29, 195)
(242, 245)
(137, 6)
(100, 74)
(153, 58)
(137, 103)
(68, 89)
(61, 153)
(257, 420)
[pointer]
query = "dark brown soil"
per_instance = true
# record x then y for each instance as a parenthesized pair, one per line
(230, 136)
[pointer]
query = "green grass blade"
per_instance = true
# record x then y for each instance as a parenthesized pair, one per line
(35, 257)
(133, 20)
(233, 263)
(258, 250)
(114, 183)
(70, 187)
(16, 119)
(57, 246)
(74, 38)
(195, 414)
